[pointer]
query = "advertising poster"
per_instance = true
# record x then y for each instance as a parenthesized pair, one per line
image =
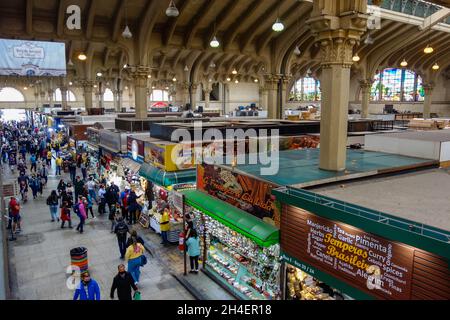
(32, 58)
(136, 149)
(169, 157)
(246, 193)
(368, 262)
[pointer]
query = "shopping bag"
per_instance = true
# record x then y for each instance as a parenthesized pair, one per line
(137, 296)
(143, 260)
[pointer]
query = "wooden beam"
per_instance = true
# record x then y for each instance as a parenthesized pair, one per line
(90, 19)
(61, 18)
(29, 17)
(120, 8)
(172, 24)
(233, 31)
(269, 15)
(196, 21)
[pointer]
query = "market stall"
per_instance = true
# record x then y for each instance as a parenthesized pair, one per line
(163, 183)
(333, 249)
(239, 251)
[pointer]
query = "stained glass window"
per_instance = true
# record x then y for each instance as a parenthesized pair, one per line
(305, 89)
(375, 93)
(392, 84)
(420, 91)
(397, 85)
(408, 86)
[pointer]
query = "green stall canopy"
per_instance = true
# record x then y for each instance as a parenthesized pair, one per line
(240, 221)
(166, 179)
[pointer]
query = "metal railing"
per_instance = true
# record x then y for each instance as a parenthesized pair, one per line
(373, 215)
(417, 8)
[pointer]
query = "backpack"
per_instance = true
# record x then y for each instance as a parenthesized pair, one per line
(76, 208)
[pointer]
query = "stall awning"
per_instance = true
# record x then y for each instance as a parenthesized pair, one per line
(240, 221)
(165, 179)
(131, 164)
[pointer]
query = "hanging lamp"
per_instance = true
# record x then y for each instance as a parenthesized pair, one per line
(172, 10)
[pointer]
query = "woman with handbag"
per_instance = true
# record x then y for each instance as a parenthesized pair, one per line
(134, 255)
(52, 202)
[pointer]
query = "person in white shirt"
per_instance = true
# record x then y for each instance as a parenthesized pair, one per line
(101, 196)
(91, 185)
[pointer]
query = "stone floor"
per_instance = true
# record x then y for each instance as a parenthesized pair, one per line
(40, 256)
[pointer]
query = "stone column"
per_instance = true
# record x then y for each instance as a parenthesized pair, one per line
(64, 99)
(140, 77)
(366, 88)
(42, 94)
(50, 98)
(194, 88)
(272, 82)
(119, 100)
(337, 26)
(207, 92)
(101, 91)
(36, 99)
(263, 97)
(184, 93)
(88, 88)
(428, 89)
(284, 95)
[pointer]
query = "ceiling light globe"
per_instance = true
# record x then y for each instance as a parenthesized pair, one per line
(82, 57)
(356, 58)
(172, 10)
(404, 63)
(435, 66)
(428, 49)
(214, 42)
(278, 26)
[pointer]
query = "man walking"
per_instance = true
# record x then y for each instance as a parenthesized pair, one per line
(123, 282)
(121, 231)
(88, 288)
(59, 162)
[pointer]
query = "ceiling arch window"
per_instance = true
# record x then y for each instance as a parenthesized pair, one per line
(306, 89)
(57, 96)
(9, 94)
(108, 96)
(159, 95)
(395, 84)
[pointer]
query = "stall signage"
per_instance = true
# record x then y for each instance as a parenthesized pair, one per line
(374, 264)
(178, 201)
(246, 193)
(170, 157)
(135, 149)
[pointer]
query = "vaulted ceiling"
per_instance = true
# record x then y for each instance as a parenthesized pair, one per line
(243, 27)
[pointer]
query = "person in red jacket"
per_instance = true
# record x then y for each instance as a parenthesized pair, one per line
(14, 212)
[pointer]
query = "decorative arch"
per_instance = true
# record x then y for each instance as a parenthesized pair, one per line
(108, 95)
(57, 96)
(9, 94)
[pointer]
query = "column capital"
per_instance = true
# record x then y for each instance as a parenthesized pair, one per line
(87, 84)
(63, 89)
(428, 88)
(140, 72)
(184, 86)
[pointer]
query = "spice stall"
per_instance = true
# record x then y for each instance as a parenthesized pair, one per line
(358, 252)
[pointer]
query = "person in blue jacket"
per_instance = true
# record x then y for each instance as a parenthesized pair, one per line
(88, 288)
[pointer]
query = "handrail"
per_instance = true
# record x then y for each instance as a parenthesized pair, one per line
(365, 213)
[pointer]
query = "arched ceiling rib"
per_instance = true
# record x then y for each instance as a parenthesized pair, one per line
(242, 27)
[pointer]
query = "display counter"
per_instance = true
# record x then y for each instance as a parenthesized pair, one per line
(238, 250)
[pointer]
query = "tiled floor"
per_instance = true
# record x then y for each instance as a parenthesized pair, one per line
(40, 256)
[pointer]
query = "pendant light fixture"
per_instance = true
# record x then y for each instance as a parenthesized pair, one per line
(172, 10)
(126, 33)
(228, 79)
(256, 80)
(435, 66)
(297, 51)
(234, 71)
(236, 81)
(82, 56)
(356, 58)
(186, 68)
(212, 65)
(214, 42)
(278, 26)
(99, 74)
(428, 49)
(70, 63)
(404, 63)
